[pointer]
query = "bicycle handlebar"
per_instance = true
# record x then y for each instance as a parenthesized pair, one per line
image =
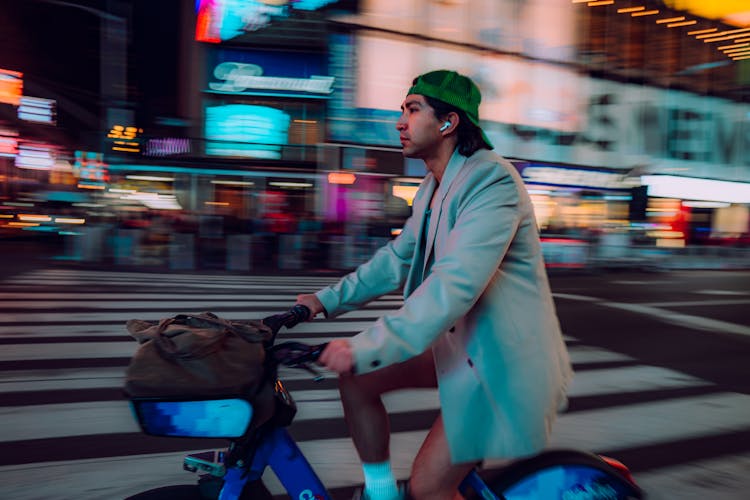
(289, 319)
(293, 354)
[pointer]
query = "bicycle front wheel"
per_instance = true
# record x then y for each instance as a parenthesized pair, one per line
(206, 490)
(561, 474)
(180, 492)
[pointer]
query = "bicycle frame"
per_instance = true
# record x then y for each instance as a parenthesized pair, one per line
(280, 452)
(550, 474)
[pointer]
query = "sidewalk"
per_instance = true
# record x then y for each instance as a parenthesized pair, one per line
(19, 256)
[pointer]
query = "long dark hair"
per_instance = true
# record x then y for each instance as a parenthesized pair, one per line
(469, 135)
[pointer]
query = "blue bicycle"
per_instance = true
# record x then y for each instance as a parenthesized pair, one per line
(235, 473)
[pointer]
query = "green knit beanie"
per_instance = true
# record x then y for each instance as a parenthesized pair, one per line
(454, 89)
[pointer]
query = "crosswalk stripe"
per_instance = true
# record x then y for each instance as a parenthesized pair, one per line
(592, 430)
(103, 350)
(90, 317)
(656, 422)
(614, 390)
(147, 277)
(174, 305)
(105, 417)
(333, 459)
(585, 383)
(86, 297)
(682, 481)
(33, 330)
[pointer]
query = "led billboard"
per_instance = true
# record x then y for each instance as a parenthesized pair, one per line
(246, 130)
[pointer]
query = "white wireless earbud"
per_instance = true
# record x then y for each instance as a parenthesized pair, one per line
(445, 126)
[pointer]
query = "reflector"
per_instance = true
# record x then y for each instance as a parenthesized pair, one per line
(215, 418)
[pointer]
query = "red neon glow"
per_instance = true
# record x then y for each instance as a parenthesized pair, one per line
(206, 26)
(8, 146)
(11, 87)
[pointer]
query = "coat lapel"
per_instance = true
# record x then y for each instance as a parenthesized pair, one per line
(421, 204)
(451, 170)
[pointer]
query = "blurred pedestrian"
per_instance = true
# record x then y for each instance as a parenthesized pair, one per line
(478, 319)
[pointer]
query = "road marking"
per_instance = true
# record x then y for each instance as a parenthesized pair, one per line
(336, 462)
(687, 320)
(722, 292)
(724, 478)
(699, 303)
(105, 417)
(335, 459)
(177, 304)
(641, 282)
(585, 383)
(630, 379)
(572, 296)
(98, 330)
(655, 422)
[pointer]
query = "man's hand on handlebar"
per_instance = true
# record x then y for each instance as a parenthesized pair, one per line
(338, 356)
(311, 302)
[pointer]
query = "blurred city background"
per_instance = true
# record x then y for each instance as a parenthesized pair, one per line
(245, 135)
(164, 156)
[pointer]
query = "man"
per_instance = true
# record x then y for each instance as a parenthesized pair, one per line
(478, 319)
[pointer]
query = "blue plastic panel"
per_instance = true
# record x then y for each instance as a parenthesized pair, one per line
(217, 418)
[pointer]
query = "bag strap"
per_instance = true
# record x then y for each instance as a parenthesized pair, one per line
(168, 349)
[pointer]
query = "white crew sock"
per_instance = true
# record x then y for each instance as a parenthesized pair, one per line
(380, 484)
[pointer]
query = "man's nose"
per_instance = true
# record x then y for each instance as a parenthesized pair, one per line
(400, 124)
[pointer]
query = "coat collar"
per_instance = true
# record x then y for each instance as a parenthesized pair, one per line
(455, 163)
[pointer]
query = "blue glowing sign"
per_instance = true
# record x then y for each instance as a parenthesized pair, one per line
(275, 73)
(246, 130)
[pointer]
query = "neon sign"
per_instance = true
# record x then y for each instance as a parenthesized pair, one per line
(36, 109)
(35, 156)
(167, 146)
(8, 143)
(220, 20)
(11, 86)
(246, 130)
(126, 138)
(239, 77)
(576, 177)
(90, 169)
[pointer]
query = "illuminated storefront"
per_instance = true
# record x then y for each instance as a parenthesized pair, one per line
(683, 210)
(265, 104)
(577, 200)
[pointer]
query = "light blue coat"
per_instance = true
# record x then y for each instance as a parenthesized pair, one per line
(484, 307)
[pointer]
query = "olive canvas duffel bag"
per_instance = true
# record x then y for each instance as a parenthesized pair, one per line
(197, 356)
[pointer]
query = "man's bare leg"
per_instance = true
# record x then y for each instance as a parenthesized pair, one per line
(433, 476)
(364, 411)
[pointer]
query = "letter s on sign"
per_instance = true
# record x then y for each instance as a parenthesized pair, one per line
(232, 73)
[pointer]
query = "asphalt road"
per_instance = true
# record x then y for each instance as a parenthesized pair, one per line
(661, 360)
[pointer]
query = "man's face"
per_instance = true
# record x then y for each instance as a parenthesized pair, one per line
(418, 127)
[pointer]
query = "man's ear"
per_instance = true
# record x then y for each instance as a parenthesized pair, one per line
(451, 118)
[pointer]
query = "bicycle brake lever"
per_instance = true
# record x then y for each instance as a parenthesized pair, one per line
(317, 376)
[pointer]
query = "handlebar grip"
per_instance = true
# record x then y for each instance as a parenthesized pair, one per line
(298, 314)
(292, 317)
